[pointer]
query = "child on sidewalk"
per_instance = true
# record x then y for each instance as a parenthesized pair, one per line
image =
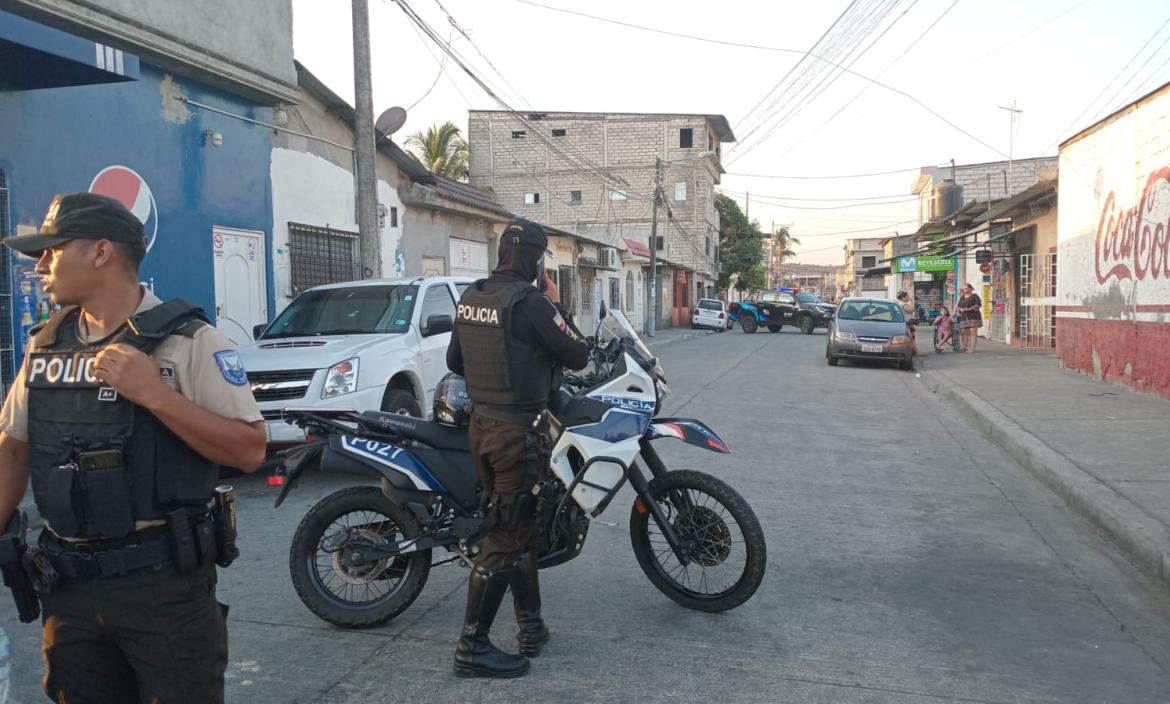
(943, 322)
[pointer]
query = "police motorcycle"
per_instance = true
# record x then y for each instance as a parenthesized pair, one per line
(362, 555)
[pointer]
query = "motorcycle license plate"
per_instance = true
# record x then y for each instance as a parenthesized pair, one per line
(876, 349)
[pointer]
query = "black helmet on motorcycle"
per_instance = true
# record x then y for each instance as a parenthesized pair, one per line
(452, 405)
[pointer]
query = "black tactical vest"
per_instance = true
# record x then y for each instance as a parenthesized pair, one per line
(73, 416)
(502, 371)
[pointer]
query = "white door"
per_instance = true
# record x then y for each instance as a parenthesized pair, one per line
(469, 258)
(240, 296)
(436, 300)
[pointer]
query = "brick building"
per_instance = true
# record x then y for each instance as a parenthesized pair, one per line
(594, 173)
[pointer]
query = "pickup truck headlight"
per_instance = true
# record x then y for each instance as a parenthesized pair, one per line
(845, 336)
(341, 379)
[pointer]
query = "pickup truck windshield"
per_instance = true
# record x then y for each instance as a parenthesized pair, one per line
(360, 310)
(807, 298)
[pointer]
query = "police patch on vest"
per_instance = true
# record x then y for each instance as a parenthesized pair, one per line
(167, 373)
(67, 370)
(231, 367)
(107, 394)
(479, 315)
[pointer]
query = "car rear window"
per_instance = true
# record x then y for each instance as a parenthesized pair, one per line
(710, 305)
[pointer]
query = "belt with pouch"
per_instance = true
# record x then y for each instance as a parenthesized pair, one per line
(150, 548)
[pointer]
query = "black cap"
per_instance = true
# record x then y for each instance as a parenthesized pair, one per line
(81, 216)
(523, 232)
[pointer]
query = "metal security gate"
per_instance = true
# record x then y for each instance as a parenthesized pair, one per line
(7, 348)
(1037, 296)
(322, 255)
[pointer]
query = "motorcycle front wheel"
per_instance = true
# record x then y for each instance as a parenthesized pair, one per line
(331, 576)
(724, 540)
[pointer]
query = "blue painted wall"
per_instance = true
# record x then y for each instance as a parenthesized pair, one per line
(57, 140)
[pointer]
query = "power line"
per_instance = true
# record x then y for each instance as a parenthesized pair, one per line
(1033, 30)
(580, 162)
(1093, 102)
(769, 201)
(830, 77)
(804, 56)
(839, 111)
(812, 178)
(466, 35)
(442, 71)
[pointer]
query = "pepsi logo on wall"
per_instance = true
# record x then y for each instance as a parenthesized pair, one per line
(125, 185)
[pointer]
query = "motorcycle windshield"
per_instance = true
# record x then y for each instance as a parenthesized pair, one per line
(616, 325)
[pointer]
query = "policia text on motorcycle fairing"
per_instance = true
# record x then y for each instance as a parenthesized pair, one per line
(123, 410)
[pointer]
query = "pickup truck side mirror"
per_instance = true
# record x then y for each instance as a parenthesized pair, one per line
(437, 325)
(258, 330)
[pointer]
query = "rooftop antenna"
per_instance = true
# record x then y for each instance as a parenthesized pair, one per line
(1013, 118)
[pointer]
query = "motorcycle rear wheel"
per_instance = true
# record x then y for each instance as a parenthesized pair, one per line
(719, 528)
(326, 580)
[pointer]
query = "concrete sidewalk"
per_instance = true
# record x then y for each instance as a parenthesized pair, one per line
(674, 335)
(1103, 448)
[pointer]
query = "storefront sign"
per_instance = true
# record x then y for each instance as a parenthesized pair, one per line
(907, 264)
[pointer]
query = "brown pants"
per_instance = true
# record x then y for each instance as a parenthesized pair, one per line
(501, 454)
(147, 637)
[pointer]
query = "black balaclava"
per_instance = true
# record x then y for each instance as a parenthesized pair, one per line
(522, 245)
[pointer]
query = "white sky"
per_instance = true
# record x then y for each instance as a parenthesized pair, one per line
(981, 55)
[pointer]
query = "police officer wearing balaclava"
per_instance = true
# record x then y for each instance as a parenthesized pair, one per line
(509, 342)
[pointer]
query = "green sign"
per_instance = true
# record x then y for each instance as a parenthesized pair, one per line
(904, 264)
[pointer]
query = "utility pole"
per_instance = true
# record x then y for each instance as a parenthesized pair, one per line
(1013, 112)
(654, 304)
(747, 207)
(370, 251)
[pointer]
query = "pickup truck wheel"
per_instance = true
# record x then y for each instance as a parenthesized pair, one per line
(775, 328)
(749, 324)
(807, 324)
(402, 403)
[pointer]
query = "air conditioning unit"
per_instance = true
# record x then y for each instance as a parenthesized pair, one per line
(609, 258)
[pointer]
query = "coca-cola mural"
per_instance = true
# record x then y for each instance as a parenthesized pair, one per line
(1113, 284)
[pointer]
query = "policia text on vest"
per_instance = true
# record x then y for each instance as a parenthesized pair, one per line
(120, 415)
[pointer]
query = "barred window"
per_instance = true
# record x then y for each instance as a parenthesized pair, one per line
(322, 255)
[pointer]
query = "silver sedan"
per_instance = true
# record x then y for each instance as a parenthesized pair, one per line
(869, 328)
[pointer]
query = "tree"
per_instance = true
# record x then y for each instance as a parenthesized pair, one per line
(782, 242)
(441, 149)
(741, 247)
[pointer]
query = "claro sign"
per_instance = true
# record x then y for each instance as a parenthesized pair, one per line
(1135, 243)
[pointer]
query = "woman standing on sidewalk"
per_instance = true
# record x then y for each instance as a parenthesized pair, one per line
(969, 307)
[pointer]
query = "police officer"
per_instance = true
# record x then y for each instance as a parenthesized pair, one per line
(509, 343)
(121, 412)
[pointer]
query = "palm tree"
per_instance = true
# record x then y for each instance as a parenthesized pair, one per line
(782, 243)
(441, 149)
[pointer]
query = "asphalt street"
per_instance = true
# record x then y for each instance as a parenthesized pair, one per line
(909, 561)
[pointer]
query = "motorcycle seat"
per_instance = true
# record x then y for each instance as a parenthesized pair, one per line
(436, 435)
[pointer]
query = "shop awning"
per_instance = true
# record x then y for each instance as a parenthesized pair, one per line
(35, 56)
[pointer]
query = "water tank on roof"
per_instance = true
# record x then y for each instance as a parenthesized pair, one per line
(948, 196)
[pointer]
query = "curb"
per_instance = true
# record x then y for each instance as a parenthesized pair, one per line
(1142, 537)
(652, 342)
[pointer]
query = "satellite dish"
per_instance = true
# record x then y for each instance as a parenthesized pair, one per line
(390, 121)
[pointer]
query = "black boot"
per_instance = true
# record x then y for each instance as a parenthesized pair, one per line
(475, 656)
(526, 598)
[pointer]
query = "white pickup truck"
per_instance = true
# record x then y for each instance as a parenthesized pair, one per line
(378, 344)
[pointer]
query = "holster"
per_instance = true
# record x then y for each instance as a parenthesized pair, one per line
(13, 548)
